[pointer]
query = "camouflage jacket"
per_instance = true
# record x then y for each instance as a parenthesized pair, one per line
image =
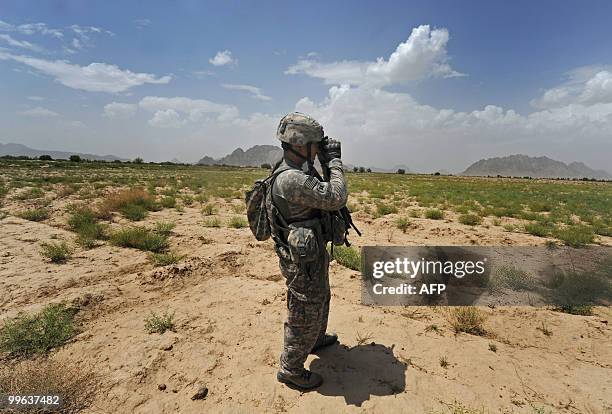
(300, 196)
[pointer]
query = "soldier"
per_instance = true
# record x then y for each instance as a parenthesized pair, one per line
(297, 205)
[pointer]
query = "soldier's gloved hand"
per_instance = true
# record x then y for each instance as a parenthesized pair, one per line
(332, 149)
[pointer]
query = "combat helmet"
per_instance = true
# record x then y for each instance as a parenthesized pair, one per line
(297, 128)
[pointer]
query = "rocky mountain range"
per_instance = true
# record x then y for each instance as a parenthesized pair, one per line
(252, 157)
(537, 167)
(20, 149)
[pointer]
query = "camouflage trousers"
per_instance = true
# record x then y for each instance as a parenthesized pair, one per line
(308, 298)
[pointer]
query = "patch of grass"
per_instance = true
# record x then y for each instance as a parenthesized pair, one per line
(383, 209)
(402, 223)
(29, 334)
(444, 362)
(139, 238)
(414, 213)
(35, 214)
(165, 259)
(77, 384)
(468, 319)
(434, 214)
(212, 222)
(121, 200)
(238, 208)
(509, 227)
(347, 257)
(508, 276)
(470, 219)
(237, 222)
(56, 252)
(168, 202)
(492, 347)
(537, 229)
(164, 228)
(209, 210)
(432, 328)
(30, 194)
(575, 236)
(155, 323)
(84, 222)
(575, 292)
(134, 212)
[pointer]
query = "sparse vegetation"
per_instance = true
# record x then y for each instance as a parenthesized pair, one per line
(237, 222)
(347, 257)
(34, 214)
(29, 334)
(403, 224)
(56, 252)
(470, 219)
(209, 210)
(434, 214)
(362, 339)
(77, 384)
(155, 323)
(212, 222)
(492, 347)
(510, 277)
(468, 319)
(165, 259)
(444, 362)
(140, 238)
(382, 209)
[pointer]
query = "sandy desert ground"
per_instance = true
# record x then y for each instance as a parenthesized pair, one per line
(228, 300)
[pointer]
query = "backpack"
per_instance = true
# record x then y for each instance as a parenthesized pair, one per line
(256, 206)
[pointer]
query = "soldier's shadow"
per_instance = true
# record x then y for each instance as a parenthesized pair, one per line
(361, 371)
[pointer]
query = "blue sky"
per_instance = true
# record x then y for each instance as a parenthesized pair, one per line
(183, 79)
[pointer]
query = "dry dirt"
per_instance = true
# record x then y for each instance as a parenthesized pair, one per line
(229, 303)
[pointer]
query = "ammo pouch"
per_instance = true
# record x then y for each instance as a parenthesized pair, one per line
(334, 228)
(305, 240)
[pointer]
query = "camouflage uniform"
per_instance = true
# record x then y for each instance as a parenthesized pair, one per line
(299, 198)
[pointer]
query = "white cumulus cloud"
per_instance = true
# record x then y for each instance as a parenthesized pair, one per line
(95, 77)
(180, 110)
(223, 58)
(587, 85)
(422, 55)
(167, 118)
(117, 110)
(254, 91)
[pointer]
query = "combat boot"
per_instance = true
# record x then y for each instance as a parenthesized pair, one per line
(326, 340)
(306, 381)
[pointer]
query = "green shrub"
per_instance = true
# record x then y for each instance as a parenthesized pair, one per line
(383, 209)
(140, 238)
(537, 229)
(434, 214)
(512, 278)
(34, 214)
(56, 252)
(134, 212)
(575, 236)
(37, 334)
(164, 228)
(165, 259)
(347, 257)
(237, 222)
(168, 202)
(470, 219)
(414, 213)
(84, 222)
(159, 323)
